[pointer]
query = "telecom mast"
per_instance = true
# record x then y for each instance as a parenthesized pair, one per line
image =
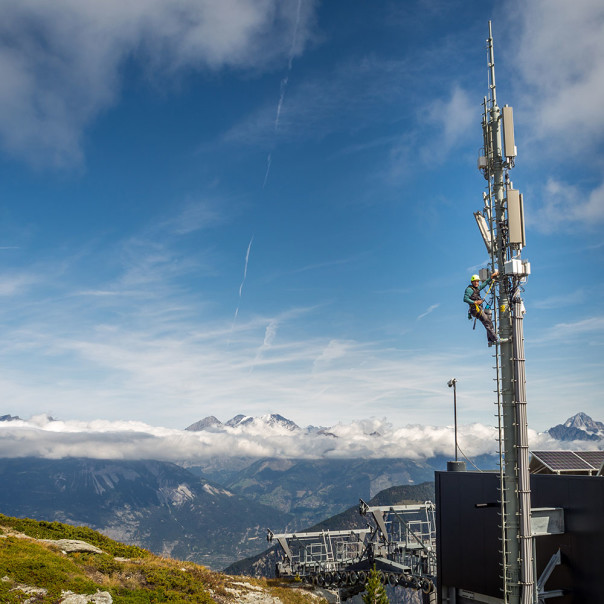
(501, 223)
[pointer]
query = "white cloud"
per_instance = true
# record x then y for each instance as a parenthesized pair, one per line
(559, 301)
(60, 61)
(194, 216)
(325, 103)
(454, 119)
(370, 438)
(566, 206)
(270, 333)
(160, 359)
(592, 326)
(443, 125)
(141, 342)
(12, 284)
(335, 349)
(561, 61)
(557, 69)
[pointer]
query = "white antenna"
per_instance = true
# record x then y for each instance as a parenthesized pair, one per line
(485, 231)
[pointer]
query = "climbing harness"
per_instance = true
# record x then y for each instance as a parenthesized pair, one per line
(486, 305)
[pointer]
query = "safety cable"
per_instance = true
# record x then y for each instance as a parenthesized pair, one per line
(467, 459)
(489, 305)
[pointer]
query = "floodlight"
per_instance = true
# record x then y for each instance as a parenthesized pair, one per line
(484, 231)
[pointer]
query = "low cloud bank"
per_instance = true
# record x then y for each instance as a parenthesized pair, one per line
(41, 436)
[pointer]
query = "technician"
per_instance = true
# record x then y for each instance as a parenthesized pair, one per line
(476, 304)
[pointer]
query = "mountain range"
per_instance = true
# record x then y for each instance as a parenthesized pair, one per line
(216, 510)
(578, 427)
(271, 420)
(157, 505)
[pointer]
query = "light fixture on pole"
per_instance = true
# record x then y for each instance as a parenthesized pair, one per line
(453, 384)
(455, 466)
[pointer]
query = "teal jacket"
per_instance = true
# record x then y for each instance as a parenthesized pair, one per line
(467, 297)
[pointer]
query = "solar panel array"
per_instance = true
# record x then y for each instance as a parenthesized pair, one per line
(570, 461)
(595, 458)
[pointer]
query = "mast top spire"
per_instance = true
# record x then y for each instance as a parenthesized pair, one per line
(492, 66)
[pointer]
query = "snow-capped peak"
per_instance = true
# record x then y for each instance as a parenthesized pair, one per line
(583, 422)
(271, 420)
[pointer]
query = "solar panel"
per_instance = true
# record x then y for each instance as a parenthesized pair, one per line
(594, 458)
(559, 461)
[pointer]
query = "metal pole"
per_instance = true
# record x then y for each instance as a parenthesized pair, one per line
(517, 550)
(511, 564)
(492, 221)
(452, 383)
(455, 413)
(524, 486)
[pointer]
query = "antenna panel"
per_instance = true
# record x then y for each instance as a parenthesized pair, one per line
(508, 132)
(484, 231)
(516, 218)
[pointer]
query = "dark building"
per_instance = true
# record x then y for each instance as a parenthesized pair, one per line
(469, 536)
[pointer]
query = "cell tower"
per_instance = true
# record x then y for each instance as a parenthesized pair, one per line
(501, 224)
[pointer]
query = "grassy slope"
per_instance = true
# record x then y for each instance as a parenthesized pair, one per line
(130, 574)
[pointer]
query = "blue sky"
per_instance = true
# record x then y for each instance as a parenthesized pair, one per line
(249, 207)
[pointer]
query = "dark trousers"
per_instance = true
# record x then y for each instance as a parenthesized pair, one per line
(484, 316)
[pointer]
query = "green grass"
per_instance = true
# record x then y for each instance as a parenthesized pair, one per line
(144, 578)
(57, 530)
(31, 564)
(139, 577)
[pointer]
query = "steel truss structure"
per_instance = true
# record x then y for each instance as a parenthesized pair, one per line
(399, 541)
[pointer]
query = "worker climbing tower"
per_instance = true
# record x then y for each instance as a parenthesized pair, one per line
(501, 223)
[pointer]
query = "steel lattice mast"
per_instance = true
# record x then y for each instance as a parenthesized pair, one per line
(502, 226)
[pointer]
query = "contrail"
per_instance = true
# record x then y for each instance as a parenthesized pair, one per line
(247, 259)
(283, 85)
(268, 169)
(295, 37)
(283, 88)
(285, 80)
(430, 309)
(270, 333)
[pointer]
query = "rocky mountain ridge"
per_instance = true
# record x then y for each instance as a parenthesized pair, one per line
(9, 418)
(272, 420)
(578, 427)
(156, 505)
